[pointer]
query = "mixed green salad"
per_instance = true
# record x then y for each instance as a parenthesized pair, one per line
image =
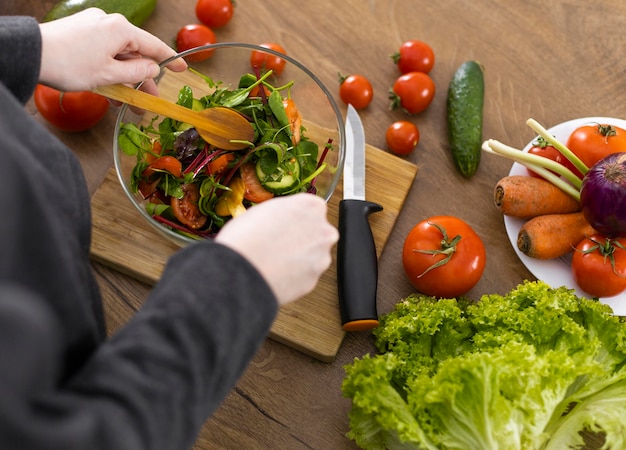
(193, 187)
(532, 369)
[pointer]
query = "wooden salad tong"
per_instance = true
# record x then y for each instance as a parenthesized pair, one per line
(222, 127)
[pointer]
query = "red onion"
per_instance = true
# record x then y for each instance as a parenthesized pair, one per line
(603, 195)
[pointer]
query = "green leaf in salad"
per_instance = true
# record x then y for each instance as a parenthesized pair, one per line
(133, 141)
(306, 152)
(185, 97)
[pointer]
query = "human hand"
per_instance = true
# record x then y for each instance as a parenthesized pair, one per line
(288, 239)
(92, 48)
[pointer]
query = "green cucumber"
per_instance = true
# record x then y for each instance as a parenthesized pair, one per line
(465, 117)
(284, 178)
(136, 11)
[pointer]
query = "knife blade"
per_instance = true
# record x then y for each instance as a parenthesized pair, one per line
(357, 263)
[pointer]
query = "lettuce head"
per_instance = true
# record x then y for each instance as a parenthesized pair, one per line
(528, 370)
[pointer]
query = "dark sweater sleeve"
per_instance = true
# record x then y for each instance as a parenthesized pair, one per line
(170, 368)
(154, 383)
(20, 55)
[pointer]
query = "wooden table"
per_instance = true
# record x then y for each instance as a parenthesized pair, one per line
(552, 61)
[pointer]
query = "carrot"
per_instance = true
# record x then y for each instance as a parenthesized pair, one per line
(552, 235)
(525, 196)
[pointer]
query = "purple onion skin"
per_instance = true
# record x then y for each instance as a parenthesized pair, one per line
(603, 195)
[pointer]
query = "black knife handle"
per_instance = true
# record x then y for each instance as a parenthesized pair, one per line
(357, 265)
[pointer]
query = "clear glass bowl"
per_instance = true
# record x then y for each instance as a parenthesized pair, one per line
(321, 118)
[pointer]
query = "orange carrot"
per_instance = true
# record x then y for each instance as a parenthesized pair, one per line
(524, 196)
(552, 235)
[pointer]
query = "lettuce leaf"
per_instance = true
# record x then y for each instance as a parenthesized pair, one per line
(528, 370)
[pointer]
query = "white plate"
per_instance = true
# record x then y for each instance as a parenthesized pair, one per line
(557, 272)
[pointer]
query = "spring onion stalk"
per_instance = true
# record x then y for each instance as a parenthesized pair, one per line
(541, 131)
(540, 165)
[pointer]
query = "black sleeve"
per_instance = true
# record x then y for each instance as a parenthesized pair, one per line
(154, 383)
(20, 55)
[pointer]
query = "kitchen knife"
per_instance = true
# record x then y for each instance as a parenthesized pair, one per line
(357, 263)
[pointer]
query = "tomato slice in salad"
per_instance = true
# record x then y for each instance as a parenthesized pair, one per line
(168, 163)
(254, 191)
(186, 208)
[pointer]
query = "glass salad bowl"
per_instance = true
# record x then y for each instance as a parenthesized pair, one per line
(188, 189)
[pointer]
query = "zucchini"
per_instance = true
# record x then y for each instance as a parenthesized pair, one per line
(136, 11)
(465, 117)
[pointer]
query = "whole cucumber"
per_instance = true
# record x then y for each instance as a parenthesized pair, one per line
(465, 116)
(136, 11)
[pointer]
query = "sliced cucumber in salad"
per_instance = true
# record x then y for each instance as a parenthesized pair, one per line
(284, 177)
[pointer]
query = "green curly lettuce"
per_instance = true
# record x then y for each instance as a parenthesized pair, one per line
(528, 370)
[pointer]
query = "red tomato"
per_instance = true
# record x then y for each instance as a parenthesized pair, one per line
(414, 56)
(402, 137)
(186, 209)
(591, 143)
(70, 111)
(355, 90)
(195, 35)
(443, 257)
(156, 152)
(599, 265)
(267, 61)
(541, 147)
(220, 164)
(166, 163)
(413, 92)
(214, 13)
(254, 191)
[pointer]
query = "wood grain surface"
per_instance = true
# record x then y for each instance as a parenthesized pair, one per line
(552, 61)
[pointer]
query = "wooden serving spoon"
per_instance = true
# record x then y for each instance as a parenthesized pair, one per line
(222, 127)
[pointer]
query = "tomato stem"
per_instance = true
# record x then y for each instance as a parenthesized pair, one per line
(575, 160)
(607, 250)
(448, 248)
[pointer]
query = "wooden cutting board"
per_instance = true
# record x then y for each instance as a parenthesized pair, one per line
(122, 240)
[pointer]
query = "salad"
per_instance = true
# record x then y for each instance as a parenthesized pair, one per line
(193, 187)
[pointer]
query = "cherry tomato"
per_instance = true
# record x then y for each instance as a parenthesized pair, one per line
(186, 208)
(541, 147)
(443, 257)
(414, 56)
(413, 92)
(599, 265)
(254, 190)
(355, 90)
(402, 137)
(267, 61)
(195, 35)
(214, 13)
(591, 143)
(70, 111)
